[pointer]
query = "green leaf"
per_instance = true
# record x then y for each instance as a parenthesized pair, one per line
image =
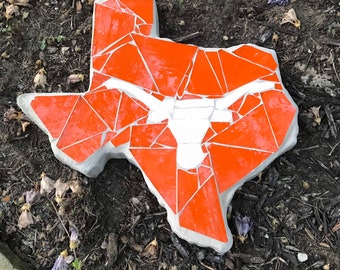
(76, 264)
(43, 45)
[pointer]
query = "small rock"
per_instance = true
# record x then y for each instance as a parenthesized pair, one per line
(302, 257)
(10, 261)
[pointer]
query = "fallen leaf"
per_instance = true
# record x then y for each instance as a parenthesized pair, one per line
(74, 78)
(30, 195)
(78, 6)
(336, 227)
(290, 17)
(316, 114)
(25, 219)
(60, 190)
(76, 187)
(24, 125)
(46, 184)
(40, 78)
(11, 11)
(23, 3)
(6, 199)
(151, 250)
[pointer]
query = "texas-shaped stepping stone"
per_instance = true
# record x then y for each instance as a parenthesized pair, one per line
(198, 122)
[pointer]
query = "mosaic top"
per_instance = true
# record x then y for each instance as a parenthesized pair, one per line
(198, 122)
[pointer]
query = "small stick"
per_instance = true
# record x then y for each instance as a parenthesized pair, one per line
(187, 37)
(331, 122)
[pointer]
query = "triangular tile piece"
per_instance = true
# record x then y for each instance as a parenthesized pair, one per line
(109, 26)
(253, 131)
(203, 81)
(111, 3)
(99, 61)
(219, 126)
(145, 135)
(167, 138)
(97, 80)
(82, 124)
(159, 165)
(204, 215)
(203, 174)
(187, 186)
(249, 104)
(232, 164)
(214, 59)
(238, 71)
(119, 43)
(167, 61)
(126, 64)
(145, 29)
(82, 150)
(129, 112)
(122, 137)
(108, 137)
(255, 55)
(280, 112)
(105, 103)
(143, 9)
(54, 111)
(273, 78)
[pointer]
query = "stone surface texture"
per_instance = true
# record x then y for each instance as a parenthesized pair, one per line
(198, 122)
(9, 260)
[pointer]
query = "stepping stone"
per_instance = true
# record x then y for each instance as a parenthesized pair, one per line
(198, 122)
(9, 260)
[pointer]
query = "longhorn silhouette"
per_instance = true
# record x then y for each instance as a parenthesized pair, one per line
(197, 122)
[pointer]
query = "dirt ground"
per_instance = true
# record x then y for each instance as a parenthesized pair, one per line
(294, 203)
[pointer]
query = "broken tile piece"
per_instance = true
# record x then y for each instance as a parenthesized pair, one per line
(198, 122)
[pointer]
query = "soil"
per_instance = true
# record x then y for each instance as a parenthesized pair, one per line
(294, 203)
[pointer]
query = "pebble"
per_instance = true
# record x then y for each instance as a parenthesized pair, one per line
(302, 257)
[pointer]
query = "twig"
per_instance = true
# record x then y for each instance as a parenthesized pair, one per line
(331, 122)
(187, 37)
(61, 221)
(333, 148)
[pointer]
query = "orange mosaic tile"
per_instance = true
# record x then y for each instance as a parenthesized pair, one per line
(54, 111)
(203, 213)
(197, 122)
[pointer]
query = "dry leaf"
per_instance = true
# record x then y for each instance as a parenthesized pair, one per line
(151, 250)
(336, 227)
(290, 17)
(23, 3)
(6, 199)
(11, 11)
(40, 78)
(316, 114)
(74, 78)
(46, 184)
(60, 190)
(78, 6)
(24, 125)
(76, 187)
(74, 241)
(30, 195)
(25, 219)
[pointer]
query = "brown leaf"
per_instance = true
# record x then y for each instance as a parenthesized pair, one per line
(40, 78)
(6, 199)
(23, 3)
(336, 227)
(151, 250)
(290, 17)
(11, 11)
(30, 195)
(46, 184)
(60, 190)
(25, 219)
(74, 78)
(76, 187)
